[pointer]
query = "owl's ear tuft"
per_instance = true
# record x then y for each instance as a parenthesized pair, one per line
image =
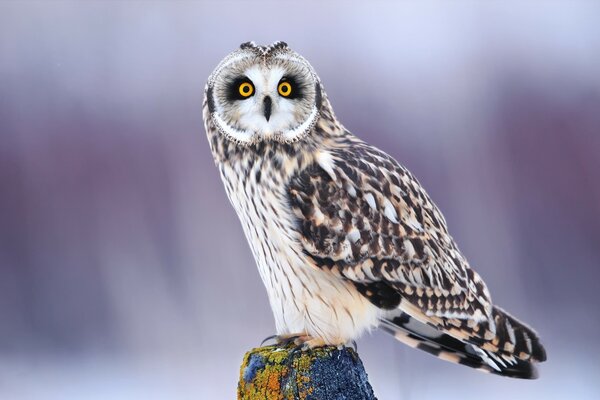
(279, 45)
(247, 45)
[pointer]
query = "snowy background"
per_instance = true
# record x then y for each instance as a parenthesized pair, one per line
(124, 272)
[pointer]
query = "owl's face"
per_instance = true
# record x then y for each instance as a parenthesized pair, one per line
(264, 93)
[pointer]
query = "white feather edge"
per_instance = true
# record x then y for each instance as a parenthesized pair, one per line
(325, 161)
(247, 137)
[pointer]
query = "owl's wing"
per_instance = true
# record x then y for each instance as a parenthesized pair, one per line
(364, 217)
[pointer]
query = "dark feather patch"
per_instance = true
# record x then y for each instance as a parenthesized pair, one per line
(210, 100)
(318, 99)
(381, 294)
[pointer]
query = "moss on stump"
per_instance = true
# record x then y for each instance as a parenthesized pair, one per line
(324, 373)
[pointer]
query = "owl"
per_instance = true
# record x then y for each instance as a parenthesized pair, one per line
(345, 238)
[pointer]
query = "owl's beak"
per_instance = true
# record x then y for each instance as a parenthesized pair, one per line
(267, 107)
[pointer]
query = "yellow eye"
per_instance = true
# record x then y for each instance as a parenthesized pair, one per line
(284, 89)
(246, 89)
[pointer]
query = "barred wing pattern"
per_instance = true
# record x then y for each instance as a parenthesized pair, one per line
(366, 219)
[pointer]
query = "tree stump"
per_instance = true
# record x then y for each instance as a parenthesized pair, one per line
(324, 373)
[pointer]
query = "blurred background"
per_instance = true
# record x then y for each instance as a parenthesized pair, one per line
(124, 272)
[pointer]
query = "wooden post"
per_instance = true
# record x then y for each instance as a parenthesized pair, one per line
(324, 373)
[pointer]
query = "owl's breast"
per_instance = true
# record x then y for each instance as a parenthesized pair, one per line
(260, 201)
(303, 297)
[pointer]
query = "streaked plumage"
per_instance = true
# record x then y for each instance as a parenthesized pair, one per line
(344, 237)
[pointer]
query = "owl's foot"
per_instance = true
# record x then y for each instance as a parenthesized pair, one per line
(302, 342)
(284, 340)
(308, 342)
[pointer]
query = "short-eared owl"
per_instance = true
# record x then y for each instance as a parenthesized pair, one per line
(345, 238)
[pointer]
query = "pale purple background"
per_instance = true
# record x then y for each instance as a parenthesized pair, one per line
(124, 273)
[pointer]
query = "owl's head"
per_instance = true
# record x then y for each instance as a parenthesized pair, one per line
(264, 93)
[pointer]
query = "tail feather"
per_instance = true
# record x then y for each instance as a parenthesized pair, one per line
(491, 356)
(512, 337)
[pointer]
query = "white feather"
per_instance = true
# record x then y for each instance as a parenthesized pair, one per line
(389, 211)
(371, 200)
(325, 161)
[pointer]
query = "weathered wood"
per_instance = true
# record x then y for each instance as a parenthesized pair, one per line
(324, 373)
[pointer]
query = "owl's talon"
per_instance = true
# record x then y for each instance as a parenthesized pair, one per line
(354, 346)
(293, 352)
(286, 341)
(267, 339)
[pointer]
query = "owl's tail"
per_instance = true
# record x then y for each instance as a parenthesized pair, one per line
(512, 352)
